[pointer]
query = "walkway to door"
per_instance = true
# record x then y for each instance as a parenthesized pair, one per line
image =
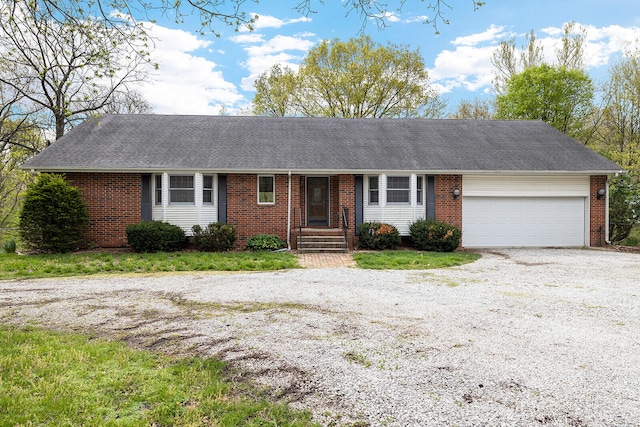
(326, 260)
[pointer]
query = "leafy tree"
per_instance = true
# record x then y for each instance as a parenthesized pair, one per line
(128, 102)
(17, 141)
(509, 61)
(61, 70)
(617, 133)
(54, 215)
(275, 90)
(561, 97)
(624, 207)
(570, 53)
(355, 79)
(479, 109)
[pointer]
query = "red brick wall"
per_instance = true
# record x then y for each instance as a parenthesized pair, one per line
(448, 208)
(347, 198)
(251, 218)
(113, 200)
(598, 213)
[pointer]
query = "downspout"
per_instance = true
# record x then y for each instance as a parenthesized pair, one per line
(606, 213)
(289, 215)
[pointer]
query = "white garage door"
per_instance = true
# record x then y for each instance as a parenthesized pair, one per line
(523, 221)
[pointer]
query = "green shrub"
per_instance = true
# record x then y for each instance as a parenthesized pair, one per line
(379, 236)
(215, 237)
(155, 236)
(429, 235)
(9, 247)
(54, 216)
(264, 242)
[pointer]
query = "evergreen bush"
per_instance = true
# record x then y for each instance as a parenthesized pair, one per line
(430, 235)
(264, 242)
(378, 236)
(155, 236)
(54, 215)
(215, 237)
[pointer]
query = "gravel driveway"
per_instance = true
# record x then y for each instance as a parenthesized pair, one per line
(518, 338)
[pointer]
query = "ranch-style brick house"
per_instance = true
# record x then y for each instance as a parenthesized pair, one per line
(504, 183)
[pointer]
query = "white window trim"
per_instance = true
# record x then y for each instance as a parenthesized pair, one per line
(155, 189)
(202, 189)
(418, 179)
(369, 202)
(273, 189)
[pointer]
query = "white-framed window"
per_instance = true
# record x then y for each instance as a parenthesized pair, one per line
(207, 189)
(182, 189)
(374, 190)
(398, 189)
(158, 189)
(266, 189)
(419, 191)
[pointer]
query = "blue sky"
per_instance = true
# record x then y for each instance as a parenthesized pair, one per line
(204, 74)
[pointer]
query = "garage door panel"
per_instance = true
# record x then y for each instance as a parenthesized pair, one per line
(523, 221)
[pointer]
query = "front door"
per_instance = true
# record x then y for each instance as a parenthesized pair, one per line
(317, 200)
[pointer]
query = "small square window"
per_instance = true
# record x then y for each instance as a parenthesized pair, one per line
(266, 189)
(373, 190)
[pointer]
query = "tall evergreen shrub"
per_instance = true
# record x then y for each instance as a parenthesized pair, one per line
(54, 215)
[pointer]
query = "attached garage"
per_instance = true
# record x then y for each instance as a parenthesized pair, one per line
(520, 211)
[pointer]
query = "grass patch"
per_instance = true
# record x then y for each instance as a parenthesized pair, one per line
(358, 358)
(13, 266)
(49, 378)
(412, 260)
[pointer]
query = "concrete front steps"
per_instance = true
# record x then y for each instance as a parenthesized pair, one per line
(322, 240)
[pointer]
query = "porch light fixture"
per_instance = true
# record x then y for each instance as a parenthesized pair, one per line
(601, 193)
(456, 193)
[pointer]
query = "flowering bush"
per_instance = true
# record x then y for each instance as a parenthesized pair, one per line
(377, 235)
(429, 235)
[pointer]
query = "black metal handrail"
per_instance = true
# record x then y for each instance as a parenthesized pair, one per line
(345, 221)
(299, 214)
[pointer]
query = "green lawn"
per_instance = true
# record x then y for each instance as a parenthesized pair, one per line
(49, 378)
(412, 260)
(13, 266)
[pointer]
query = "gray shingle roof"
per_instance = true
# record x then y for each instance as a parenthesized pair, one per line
(229, 143)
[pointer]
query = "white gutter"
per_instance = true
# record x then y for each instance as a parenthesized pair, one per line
(289, 215)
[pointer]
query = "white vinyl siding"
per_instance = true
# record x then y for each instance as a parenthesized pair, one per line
(399, 214)
(525, 186)
(520, 211)
(185, 215)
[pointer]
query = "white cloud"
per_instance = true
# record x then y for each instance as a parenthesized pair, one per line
(420, 19)
(465, 67)
(492, 34)
(266, 21)
(469, 67)
(247, 38)
(185, 83)
(284, 50)
(387, 17)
